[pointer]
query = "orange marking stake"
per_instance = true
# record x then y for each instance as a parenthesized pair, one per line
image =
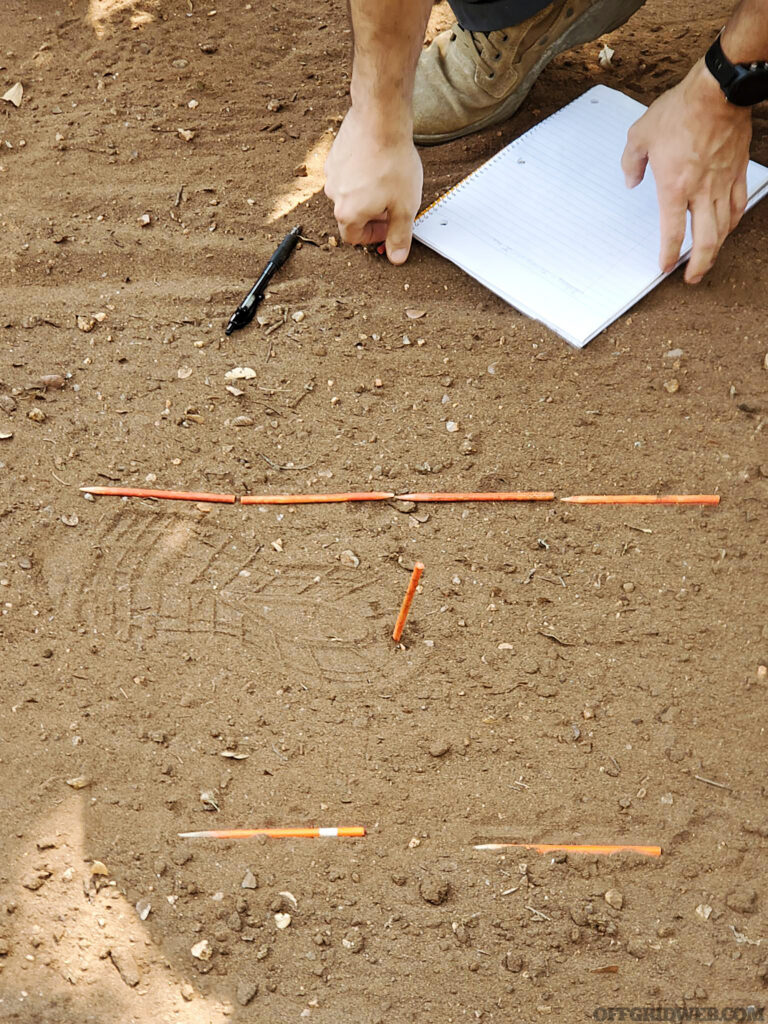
(348, 832)
(311, 499)
(480, 496)
(143, 492)
(644, 499)
(647, 851)
(418, 569)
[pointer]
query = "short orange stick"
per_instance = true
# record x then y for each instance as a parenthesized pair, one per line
(647, 851)
(644, 499)
(143, 492)
(418, 569)
(312, 499)
(343, 832)
(479, 496)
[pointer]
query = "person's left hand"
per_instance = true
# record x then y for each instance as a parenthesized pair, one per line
(698, 147)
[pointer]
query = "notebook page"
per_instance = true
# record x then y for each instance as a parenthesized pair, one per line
(549, 225)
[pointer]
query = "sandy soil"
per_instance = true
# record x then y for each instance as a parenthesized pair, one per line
(568, 675)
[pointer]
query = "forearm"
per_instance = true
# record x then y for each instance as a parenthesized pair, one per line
(745, 36)
(388, 35)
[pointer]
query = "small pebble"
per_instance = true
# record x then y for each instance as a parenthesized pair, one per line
(349, 558)
(671, 386)
(614, 899)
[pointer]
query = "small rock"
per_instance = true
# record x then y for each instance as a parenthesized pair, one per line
(143, 908)
(184, 372)
(250, 881)
(14, 94)
(671, 386)
(79, 782)
(743, 900)
(354, 941)
(98, 867)
(282, 921)
(241, 421)
(614, 899)
(240, 373)
(298, 316)
(52, 382)
(202, 950)
(187, 992)
(278, 544)
(704, 910)
(6, 435)
(349, 558)
(210, 47)
(144, 221)
(193, 104)
(274, 106)
(70, 520)
(439, 748)
(180, 62)
(636, 949)
(186, 133)
(513, 962)
(36, 415)
(245, 991)
(434, 889)
(7, 404)
(126, 966)
(36, 880)
(451, 427)
(46, 844)
(674, 353)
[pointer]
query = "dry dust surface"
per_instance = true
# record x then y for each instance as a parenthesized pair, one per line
(568, 674)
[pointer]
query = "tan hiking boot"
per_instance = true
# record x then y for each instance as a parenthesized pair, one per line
(466, 81)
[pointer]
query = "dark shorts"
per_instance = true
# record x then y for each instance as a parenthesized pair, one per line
(489, 15)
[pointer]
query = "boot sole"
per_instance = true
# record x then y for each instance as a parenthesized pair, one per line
(602, 17)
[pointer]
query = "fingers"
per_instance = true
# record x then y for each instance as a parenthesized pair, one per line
(708, 236)
(399, 236)
(672, 211)
(634, 159)
(361, 232)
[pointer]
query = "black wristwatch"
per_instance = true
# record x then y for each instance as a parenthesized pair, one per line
(742, 84)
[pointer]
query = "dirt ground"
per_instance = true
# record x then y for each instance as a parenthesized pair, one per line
(567, 675)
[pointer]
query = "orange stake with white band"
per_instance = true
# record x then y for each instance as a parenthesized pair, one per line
(646, 851)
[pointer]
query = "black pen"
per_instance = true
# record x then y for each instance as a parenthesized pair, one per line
(247, 308)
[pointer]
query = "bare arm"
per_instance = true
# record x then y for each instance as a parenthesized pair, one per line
(698, 147)
(373, 173)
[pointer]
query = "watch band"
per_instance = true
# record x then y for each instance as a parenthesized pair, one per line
(742, 84)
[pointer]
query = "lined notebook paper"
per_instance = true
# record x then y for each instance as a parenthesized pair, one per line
(549, 225)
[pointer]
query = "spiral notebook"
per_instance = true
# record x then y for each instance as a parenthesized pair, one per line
(549, 225)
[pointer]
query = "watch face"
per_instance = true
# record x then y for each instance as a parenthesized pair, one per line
(750, 86)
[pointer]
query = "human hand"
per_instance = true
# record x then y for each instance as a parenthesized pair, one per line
(698, 147)
(374, 180)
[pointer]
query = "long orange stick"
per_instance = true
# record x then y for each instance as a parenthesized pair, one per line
(344, 832)
(647, 851)
(143, 492)
(644, 499)
(405, 607)
(479, 496)
(311, 499)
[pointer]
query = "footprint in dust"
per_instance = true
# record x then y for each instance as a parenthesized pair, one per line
(154, 579)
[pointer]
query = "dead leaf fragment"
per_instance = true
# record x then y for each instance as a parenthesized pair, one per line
(14, 94)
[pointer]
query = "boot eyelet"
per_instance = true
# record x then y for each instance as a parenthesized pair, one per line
(497, 56)
(492, 74)
(504, 38)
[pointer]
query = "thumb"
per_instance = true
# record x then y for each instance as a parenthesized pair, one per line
(399, 234)
(634, 160)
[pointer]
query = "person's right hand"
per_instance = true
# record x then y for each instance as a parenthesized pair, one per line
(374, 180)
